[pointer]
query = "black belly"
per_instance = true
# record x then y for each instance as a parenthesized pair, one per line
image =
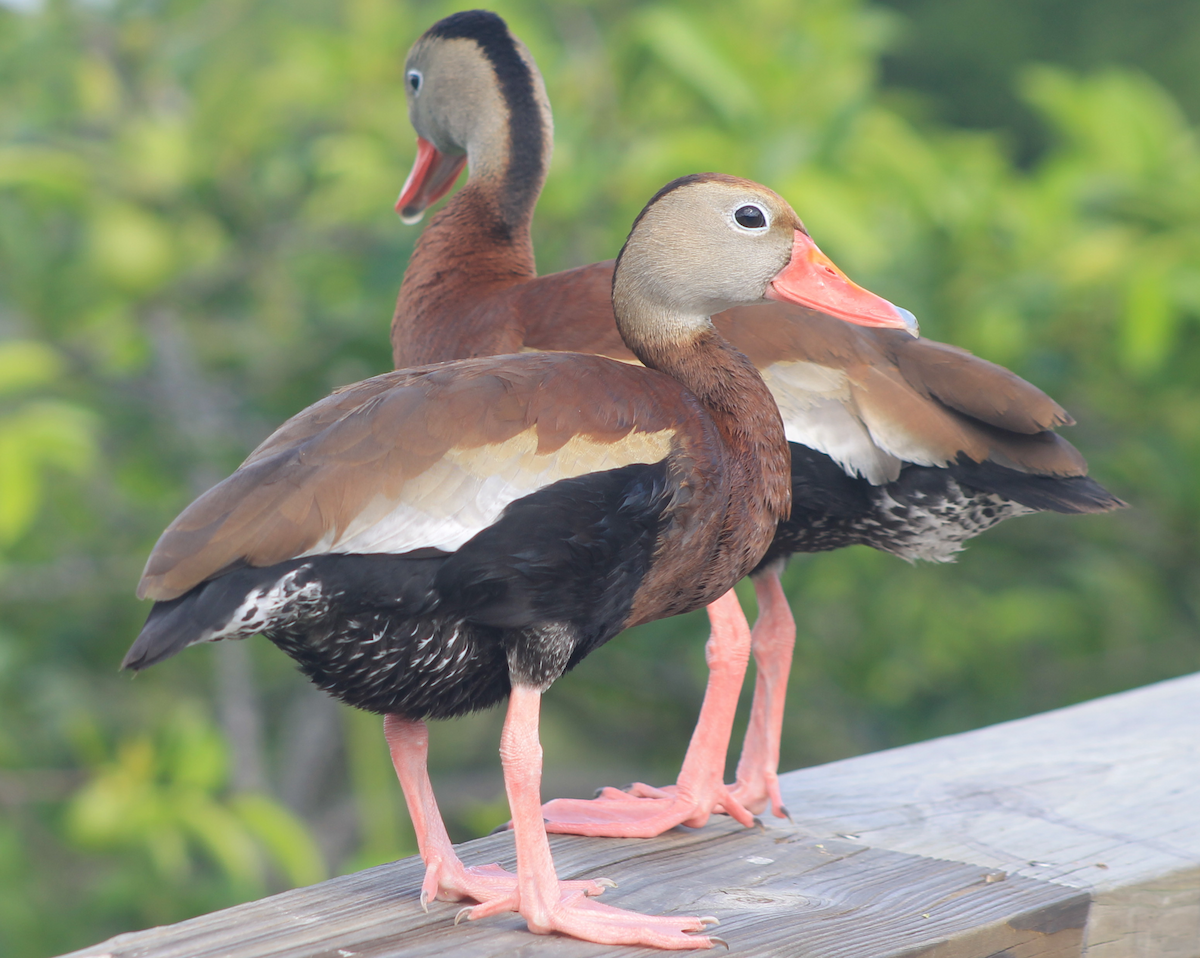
(383, 662)
(429, 633)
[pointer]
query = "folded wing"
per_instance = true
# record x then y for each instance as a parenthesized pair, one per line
(873, 400)
(423, 459)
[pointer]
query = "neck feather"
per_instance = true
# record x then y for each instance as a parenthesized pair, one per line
(467, 253)
(745, 414)
(509, 155)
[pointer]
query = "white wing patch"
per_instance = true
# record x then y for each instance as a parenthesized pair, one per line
(891, 435)
(819, 411)
(465, 491)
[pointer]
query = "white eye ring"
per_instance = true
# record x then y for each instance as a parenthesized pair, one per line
(415, 80)
(751, 217)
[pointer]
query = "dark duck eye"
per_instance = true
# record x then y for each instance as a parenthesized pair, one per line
(750, 217)
(414, 80)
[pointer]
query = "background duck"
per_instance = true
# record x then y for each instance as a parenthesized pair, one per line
(908, 446)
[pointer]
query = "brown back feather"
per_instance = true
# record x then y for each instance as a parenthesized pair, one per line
(352, 454)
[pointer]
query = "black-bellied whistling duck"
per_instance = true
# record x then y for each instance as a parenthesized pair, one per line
(905, 445)
(431, 540)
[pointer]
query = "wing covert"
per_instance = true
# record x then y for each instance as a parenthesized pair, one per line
(424, 458)
(873, 399)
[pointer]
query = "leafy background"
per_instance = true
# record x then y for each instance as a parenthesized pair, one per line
(196, 239)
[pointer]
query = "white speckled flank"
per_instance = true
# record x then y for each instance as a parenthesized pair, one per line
(934, 529)
(286, 597)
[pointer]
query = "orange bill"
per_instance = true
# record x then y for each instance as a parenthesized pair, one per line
(432, 175)
(810, 279)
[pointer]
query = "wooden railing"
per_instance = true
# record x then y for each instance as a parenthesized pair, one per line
(1070, 833)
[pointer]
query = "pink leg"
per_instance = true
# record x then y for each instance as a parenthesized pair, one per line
(445, 876)
(545, 902)
(644, 811)
(773, 639)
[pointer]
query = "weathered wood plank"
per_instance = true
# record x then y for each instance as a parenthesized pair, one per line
(774, 892)
(1079, 828)
(1103, 796)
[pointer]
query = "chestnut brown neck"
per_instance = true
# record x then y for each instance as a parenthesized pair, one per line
(748, 421)
(470, 250)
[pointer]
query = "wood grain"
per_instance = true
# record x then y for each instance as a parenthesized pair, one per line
(774, 892)
(1102, 796)
(1075, 832)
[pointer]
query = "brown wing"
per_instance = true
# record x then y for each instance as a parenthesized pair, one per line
(424, 458)
(874, 399)
(974, 386)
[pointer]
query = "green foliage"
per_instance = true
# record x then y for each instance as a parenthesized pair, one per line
(36, 434)
(159, 798)
(960, 54)
(196, 239)
(376, 793)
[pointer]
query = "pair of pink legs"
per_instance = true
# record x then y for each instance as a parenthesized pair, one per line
(644, 811)
(547, 904)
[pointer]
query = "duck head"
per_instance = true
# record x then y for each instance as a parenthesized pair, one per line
(475, 97)
(708, 242)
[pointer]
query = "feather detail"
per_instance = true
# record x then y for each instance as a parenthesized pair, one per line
(422, 459)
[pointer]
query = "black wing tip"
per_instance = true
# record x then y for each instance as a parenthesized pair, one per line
(165, 633)
(143, 654)
(1083, 494)
(1079, 495)
(1107, 502)
(136, 661)
(1070, 495)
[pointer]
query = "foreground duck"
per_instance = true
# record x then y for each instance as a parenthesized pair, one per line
(905, 445)
(430, 541)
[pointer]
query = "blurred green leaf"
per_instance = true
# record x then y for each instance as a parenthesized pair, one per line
(284, 836)
(679, 43)
(219, 832)
(1149, 322)
(162, 796)
(25, 364)
(38, 435)
(131, 246)
(45, 168)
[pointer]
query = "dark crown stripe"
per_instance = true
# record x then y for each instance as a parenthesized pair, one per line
(526, 166)
(671, 188)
